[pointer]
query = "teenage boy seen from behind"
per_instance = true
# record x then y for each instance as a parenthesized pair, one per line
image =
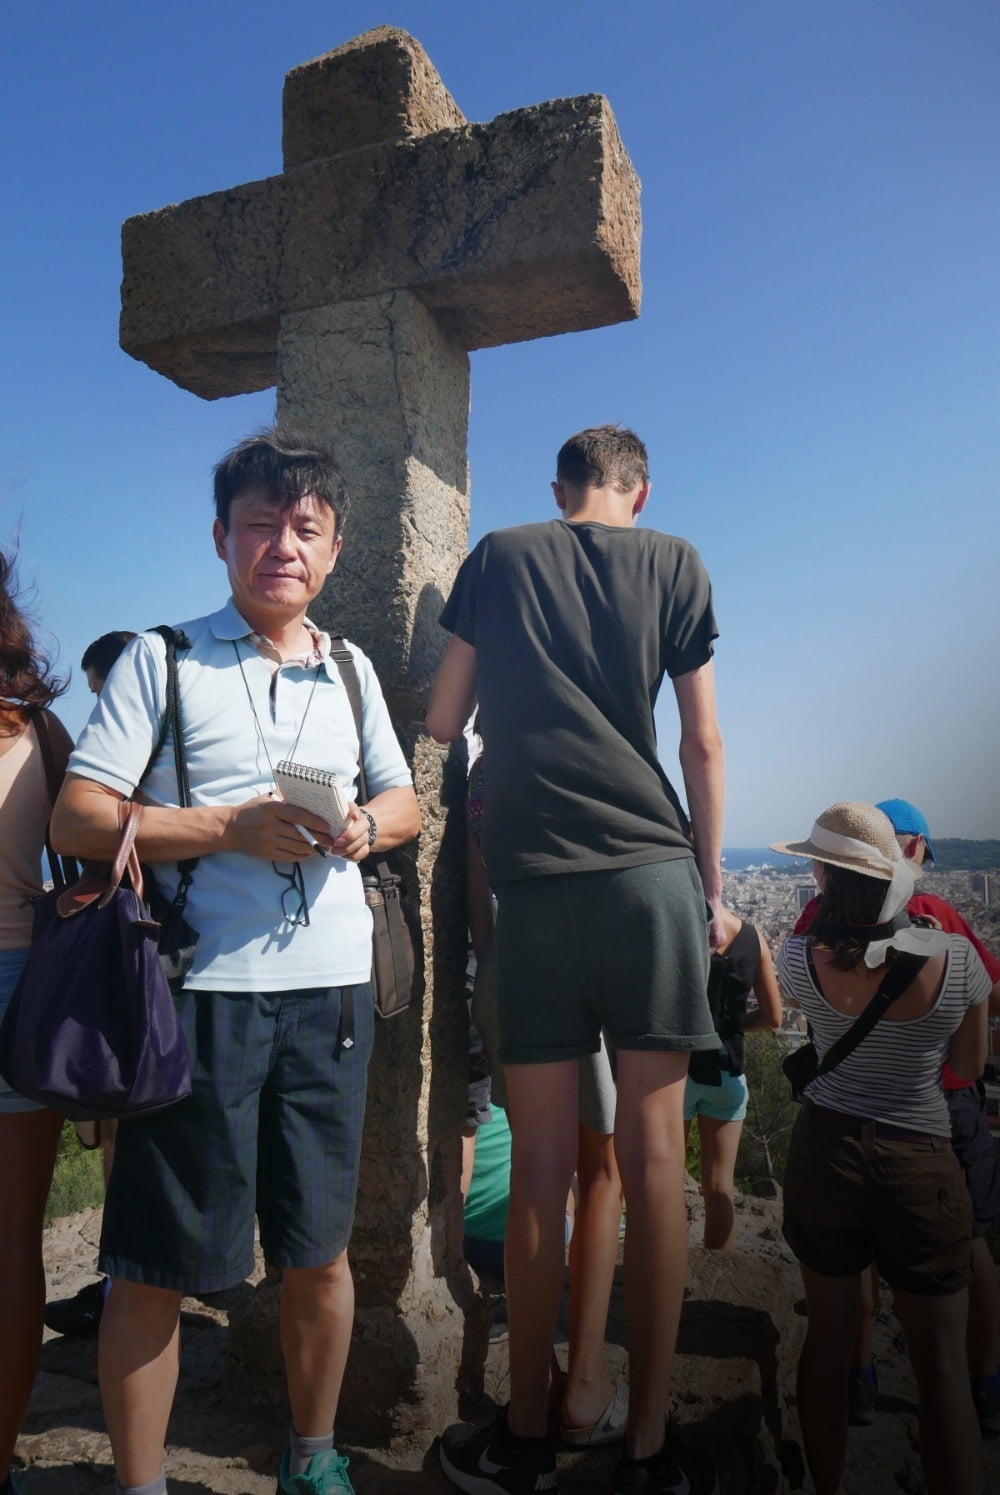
(563, 632)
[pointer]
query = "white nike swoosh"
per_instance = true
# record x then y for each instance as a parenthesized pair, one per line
(487, 1465)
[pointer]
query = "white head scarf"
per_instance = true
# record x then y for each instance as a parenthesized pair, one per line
(903, 874)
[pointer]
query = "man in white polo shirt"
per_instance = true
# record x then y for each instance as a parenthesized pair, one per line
(277, 1006)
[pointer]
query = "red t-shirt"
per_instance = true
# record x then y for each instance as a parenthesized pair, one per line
(951, 922)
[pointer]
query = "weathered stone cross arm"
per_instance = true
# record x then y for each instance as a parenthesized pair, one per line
(521, 228)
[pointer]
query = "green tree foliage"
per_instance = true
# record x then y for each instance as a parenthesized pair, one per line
(78, 1180)
(953, 855)
(771, 1113)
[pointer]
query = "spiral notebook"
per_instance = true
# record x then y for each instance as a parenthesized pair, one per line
(315, 790)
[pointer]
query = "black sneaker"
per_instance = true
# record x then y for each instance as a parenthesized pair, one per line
(680, 1470)
(79, 1315)
(862, 1396)
(479, 1461)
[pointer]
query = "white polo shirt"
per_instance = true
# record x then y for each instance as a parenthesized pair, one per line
(246, 943)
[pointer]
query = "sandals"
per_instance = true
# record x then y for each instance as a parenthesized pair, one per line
(610, 1428)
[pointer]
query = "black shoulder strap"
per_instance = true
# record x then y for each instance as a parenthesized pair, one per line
(172, 725)
(64, 870)
(344, 660)
(899, 976)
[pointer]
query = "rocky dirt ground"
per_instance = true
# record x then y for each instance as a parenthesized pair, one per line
(734, 1385)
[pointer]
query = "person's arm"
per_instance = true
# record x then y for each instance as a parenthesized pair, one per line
(783, 974)
(453, 693)
(703, 767)
(85, 825)
(765, 988)
(969, 1043)
(397, 819)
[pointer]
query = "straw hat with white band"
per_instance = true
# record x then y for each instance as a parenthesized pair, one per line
(861, 839)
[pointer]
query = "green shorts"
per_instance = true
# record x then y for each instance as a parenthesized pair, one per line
(597, 1094)
(623, 950)
(272, 1125)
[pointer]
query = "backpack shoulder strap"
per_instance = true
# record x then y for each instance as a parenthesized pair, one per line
(344, 660)
(63, 870)
(172, 726)
(899, 976)
(53, 778)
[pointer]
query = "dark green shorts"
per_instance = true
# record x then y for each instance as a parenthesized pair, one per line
(273, 1125)
(624, 950)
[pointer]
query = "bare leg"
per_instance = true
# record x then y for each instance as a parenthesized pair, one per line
(720, 1142)
(28, 1141)
(649, 1143)
(138, 1357)
(317, 1314)
(984, 1311)
(593, 1251)
(951, 1450)
(468, 1158)
(543, 1122)
(823, 1370)
(865, 1340)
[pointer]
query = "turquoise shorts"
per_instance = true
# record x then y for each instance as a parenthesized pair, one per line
(725, 1102)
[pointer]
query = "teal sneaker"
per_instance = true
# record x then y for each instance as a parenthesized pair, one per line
(325, 1474)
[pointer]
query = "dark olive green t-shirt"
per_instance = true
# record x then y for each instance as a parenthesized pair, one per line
(574, 626)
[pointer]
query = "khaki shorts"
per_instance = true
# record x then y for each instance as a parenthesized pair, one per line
(853, 1196)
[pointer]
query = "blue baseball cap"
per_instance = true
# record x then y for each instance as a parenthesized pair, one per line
(907, 820)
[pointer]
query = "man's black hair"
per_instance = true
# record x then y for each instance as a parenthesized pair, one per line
(283, 464)
(102, 653)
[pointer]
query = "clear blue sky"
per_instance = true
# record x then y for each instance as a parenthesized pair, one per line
(816, 369)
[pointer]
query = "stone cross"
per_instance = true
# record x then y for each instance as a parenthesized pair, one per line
(397, 238)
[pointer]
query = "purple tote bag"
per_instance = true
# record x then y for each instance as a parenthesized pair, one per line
(92, 1029)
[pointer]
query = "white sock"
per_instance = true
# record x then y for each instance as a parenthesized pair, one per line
(300, 1451)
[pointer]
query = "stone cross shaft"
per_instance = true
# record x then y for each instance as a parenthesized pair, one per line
(397, 238)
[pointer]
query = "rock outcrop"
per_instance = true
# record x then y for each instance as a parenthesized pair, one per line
(734, 1384)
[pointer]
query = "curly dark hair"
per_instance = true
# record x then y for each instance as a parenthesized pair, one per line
(27, 683)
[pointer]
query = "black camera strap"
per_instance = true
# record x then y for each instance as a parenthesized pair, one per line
(899, 976)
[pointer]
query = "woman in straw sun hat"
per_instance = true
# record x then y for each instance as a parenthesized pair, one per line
(871, 1174)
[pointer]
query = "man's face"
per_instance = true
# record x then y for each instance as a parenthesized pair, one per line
(277, 559)
(94, 680)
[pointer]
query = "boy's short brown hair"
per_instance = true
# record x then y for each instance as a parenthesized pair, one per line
(603, 457)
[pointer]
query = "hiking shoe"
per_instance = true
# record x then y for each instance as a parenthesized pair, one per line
(862, 1395)
(986, 1395)
(325, 1474)
(679, 1470)
(480, 1461)
(80, 1315)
